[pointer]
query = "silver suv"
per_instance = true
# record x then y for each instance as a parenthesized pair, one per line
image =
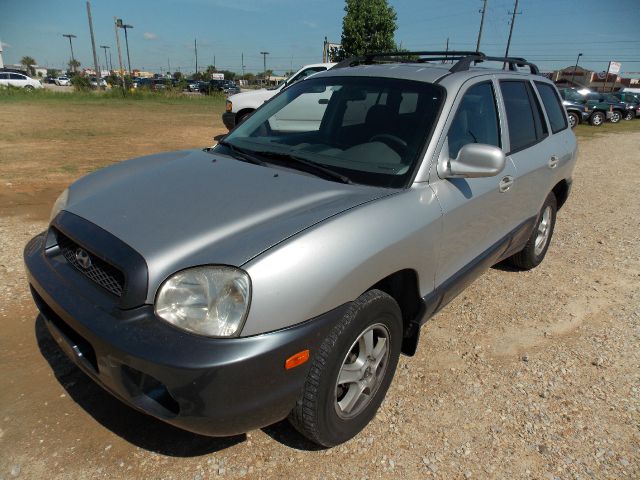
(283, 272)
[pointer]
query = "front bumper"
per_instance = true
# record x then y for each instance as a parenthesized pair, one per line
(229, 120)
(209, 386)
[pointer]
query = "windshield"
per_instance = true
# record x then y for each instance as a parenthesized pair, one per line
(369, 130)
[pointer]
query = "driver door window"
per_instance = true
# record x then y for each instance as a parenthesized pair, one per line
(476, 120)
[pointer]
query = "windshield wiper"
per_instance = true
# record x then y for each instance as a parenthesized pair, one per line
(242, 154)
(307, 165)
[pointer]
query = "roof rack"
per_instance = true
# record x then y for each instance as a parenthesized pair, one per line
(464, 59)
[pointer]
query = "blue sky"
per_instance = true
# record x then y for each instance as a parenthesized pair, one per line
(548, 32)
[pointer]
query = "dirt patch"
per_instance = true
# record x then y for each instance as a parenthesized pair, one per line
(525, 375)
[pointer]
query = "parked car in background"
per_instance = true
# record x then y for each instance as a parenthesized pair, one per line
(632, 99)
(293, 269)
(577, 112)
(241, 105)
(49, 80)
(94, 82)
(63, 81)
(599, 109)
(18, 80)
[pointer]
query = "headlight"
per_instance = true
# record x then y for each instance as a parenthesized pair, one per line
(228, 106)
(210, 300)
(59, 204)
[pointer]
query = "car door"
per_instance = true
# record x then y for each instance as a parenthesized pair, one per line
(478, 213)
(17, 80)
(531, 149)
(4, 79)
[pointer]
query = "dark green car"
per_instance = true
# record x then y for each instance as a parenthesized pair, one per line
(601, 105)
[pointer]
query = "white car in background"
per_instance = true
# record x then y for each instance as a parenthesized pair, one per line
(241, 105)
(63, 81)
(19, 80)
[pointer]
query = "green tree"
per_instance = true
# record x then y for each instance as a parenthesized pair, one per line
(28, 62)
(53, 72)
(74, 65)
(368, 26)
(177, 75)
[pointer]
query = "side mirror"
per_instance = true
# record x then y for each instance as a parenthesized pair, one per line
(475, 160)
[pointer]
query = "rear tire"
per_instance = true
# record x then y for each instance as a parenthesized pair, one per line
(351, 371)
(629, 115)
(28, 87)
(616, 116)
(536, 247)
(597, 119)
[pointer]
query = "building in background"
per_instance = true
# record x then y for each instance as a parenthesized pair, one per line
(583, 78)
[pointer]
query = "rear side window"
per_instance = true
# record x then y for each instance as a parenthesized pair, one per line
(524, 117)
(476, 120)
(16, 76)
(555, 111)
(4, 76)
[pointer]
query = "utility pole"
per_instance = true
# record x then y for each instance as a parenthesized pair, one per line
(324, 51)
(73, 59)
(93, 47)
(264, 64)
(482, 11)
(513, 20)
(195, 47)
(115, 26)
(242, 61)
(169, 65)
(446, 49)
(106, 60)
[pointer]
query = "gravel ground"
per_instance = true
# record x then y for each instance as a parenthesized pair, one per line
(525, 375)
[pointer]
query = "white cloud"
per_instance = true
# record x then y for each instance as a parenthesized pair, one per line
(5, 45)
(309, 24)
(149, 36)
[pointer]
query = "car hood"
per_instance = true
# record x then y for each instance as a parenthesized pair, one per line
(187, 208)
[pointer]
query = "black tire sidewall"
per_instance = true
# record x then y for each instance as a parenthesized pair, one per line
(550, 201)
(575, 118)
(380, 309)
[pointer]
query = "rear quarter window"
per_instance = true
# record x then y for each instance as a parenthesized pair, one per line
(551, 102)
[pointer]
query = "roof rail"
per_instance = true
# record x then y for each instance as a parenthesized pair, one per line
(464, 59)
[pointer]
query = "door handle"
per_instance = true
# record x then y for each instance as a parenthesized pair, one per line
(553, 161)
(505, 183)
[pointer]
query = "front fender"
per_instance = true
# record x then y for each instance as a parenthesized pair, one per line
(337, 260)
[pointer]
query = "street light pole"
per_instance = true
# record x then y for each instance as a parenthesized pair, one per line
(73, 59)
(106, 60)
(126, 41)
(264, 64)
(575, 67)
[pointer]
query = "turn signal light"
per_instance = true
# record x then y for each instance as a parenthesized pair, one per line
(296, 360)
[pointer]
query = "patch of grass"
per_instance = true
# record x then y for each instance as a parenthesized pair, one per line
(111, 96)
(623, 126)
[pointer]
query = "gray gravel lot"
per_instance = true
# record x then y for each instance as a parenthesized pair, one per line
(525, 375)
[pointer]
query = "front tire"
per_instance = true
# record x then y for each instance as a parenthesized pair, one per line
(536, 247)
(597, 119)
(573, 119)
(351, 372)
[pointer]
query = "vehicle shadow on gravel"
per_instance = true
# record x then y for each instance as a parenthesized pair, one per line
(135, 427)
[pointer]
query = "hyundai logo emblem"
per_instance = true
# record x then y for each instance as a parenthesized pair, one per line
(83, 258)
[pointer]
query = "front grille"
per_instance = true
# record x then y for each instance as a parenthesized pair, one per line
(96, 269)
